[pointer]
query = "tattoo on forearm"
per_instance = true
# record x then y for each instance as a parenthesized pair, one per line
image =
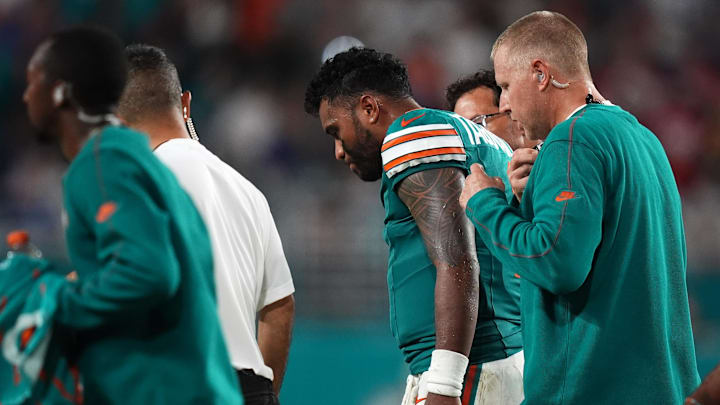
(432, 197)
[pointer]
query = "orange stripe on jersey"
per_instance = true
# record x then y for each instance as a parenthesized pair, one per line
(422, 154)
(417, 135)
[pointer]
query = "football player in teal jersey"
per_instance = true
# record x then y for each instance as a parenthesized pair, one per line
(453, 310)
(598, 240)
(142, 313)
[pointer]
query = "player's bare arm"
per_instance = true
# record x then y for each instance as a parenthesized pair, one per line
(275, 323)
(432, 198)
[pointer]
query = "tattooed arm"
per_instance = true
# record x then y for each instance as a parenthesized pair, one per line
(432, 197)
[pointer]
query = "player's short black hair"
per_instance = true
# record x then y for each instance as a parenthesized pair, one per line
(355, 71)
(482, 78)
(92, 62)
(153, 83)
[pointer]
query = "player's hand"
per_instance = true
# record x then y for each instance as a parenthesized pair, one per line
(519, 170)
(478, 180)
(435, 399)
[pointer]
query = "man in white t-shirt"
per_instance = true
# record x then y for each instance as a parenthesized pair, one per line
(251, 274)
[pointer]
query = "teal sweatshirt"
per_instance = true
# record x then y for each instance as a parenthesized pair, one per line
(599, 243)
(143, 308)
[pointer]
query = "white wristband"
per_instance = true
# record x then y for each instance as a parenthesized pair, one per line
(446, 373)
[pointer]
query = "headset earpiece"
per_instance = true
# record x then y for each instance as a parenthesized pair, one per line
(58, 94)
(540, 77)
(557, 84)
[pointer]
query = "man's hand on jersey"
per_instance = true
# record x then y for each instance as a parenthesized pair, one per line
(519, 170)
(435, 399)
(478, 180)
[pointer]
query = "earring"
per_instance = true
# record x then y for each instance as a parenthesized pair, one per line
(191, 129)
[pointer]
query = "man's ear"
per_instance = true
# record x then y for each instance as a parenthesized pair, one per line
(541, 73)
(185, 99)
(369, 108)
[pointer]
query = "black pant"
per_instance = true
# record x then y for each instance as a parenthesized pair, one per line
(256, 389)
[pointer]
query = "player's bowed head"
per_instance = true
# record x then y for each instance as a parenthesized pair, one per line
(541, 65)
(357, 94)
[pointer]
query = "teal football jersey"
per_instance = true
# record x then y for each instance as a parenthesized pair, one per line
(427, 139)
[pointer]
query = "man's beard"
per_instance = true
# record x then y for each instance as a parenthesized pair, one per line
(366, 156)
(47, 138)
(43, 136)
(42, 132)
(371, 171)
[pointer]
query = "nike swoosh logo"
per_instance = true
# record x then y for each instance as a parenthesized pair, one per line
(420, 399)
(105, 212)
(565, 195)
(404, 123)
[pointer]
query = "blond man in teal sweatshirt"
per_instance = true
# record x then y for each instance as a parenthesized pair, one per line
(598, 238)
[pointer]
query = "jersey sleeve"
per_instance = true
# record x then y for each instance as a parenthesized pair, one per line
(555, 248)
(420, 141)
(110, 194)
(277, 281)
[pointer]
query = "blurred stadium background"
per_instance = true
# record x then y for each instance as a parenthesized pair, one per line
(247, 63)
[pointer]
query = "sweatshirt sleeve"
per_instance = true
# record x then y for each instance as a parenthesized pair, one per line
(116, 202)
(555, 248)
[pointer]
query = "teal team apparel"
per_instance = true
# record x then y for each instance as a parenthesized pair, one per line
(33, 367)
(144, 306)
(599, 243)
(427, 139)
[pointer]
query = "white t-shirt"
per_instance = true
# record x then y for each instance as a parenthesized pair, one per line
(250, 267)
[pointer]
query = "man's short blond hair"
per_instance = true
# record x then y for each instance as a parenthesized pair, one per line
(548, 36)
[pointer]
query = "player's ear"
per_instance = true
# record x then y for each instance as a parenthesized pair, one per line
(185, 99)
(370, 108)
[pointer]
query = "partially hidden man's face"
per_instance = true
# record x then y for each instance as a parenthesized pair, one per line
(354, 144)
(481, 101)
(37, 95)
(521, 96)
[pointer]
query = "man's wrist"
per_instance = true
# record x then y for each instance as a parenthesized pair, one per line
(446, 373)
